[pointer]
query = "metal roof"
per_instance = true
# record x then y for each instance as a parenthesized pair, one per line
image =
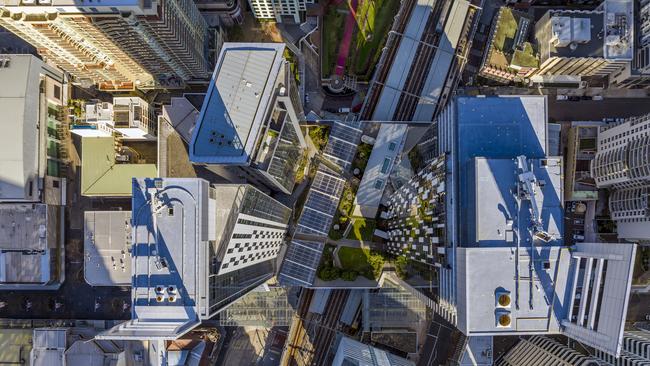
(301, 262)
(236, 104)
(101, 175)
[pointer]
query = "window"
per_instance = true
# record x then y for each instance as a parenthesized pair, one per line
(385, 166)
(57, 92)
(379, 184)
(392, 146)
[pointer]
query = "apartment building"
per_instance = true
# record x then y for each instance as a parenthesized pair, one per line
(229, 11)
(576, 44)
(250, 116)
(636, 350)
(32, 190)
(280, 10)
(210, 246)
(621, 165)
(116, 45)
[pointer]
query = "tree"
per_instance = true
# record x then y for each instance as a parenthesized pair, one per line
(401, 265)
(349, 275)
(329, 273)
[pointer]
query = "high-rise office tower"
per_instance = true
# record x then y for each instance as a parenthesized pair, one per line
(196, 249)
(636, 350)
(487, 218)
(118, 45)
(621, 165)
(279, 9)
(250, 116)
(636, 74)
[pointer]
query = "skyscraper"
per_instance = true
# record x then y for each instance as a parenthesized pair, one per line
(489, 222)
(250, 116)
(196, 250)
(279, 9)
(621, 164)
(118, 45)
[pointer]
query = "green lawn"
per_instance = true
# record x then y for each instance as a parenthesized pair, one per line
(362, 229)
(525, 57)
(374, 19)
(363, 261)
(332, 32)
(506, 29)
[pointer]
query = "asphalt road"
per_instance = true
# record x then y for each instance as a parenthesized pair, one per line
(592, 110)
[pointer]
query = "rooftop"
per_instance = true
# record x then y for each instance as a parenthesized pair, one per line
(351, 352)
(500, 218)
(570, 33)
(102, 175)
(27, 233)
(619, 30)
(237, 103)
(534, 305)
(107, 247)
(19, 101)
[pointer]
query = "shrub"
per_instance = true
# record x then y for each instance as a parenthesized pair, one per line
(349, 275)
(329, 273)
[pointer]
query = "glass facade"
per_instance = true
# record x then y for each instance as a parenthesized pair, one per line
(286, 157)
(228, 287)
(256, 203)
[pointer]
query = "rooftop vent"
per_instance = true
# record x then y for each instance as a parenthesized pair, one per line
(503, 320)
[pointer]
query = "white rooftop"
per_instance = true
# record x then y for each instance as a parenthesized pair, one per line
(107, 248)
(619, 30)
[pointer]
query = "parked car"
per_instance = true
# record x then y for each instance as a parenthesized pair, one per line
(578, 222)
(578, 238)
(344, 110)
(562, 97)
(597, 97)
(574, 98)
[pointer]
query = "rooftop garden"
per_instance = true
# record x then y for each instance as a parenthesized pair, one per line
(525, 57)
(506, 30)
(319, 136)
(344, 211)
(333, 21)
(361, 158)
(353, 262)
(362, 229)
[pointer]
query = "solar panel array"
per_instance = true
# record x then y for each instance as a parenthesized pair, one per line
(322, 202)
(343, 141)
(301, 263)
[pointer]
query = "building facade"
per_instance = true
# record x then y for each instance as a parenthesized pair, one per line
(579, 184)
(279, 10)
(636, 75)
(539, 351)
(250, 116)
(621, 165)
(636, 350)
(116, 45)
(128, 118)
(210, 246)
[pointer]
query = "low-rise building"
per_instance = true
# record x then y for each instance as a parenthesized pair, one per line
(250, 116)
(107, 167)
(579, 184)
(129, 118)
(107, 248)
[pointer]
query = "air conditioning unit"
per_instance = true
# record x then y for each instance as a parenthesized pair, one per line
(45, 2)
(29, 2)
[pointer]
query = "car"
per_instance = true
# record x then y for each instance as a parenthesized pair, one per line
(562, 97)
(578, 222)
(574, 98)
(578, 238)
(597, 97)
(344, 110)
(586, 97)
